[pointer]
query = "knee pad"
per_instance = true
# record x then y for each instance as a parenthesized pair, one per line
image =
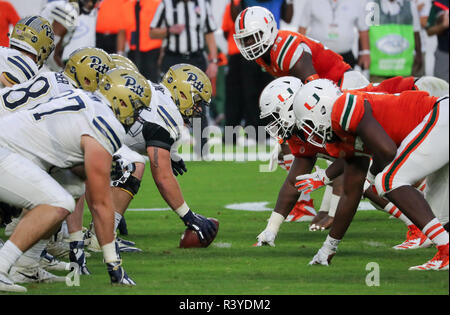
(130, 185)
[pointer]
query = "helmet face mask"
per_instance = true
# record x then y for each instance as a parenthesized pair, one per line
(313, 105)
(86, 67)
(34, 35)
(190, 89)
(256, 30)
(128, 93)
(276, 105)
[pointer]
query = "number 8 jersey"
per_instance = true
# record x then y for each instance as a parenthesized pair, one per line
(30, 93)
(49, 134)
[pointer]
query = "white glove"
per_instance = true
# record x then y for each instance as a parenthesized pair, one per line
(326, 252)
(266, 237)
(323, 257)
(309, 182)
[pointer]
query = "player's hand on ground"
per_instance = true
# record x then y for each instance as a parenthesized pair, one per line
(310, 182)
(323, 257)
(205, 228)
(265, 238)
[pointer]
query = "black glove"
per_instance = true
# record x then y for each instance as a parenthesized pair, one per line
(205, 228)
(178, 168)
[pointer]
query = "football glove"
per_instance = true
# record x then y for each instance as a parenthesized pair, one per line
(178, 168)
(121, 169)
(309, 182)
(204, 228)
(266, 237)
(326, 252)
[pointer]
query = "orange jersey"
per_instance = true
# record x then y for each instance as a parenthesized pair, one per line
(391, 86)
(300, 148)
(398, 114)
(286, 51)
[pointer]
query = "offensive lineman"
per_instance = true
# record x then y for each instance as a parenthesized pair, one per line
(74, 128)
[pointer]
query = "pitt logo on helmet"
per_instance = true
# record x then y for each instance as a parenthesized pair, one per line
(98, 65)
(192, 77)
(136, 88)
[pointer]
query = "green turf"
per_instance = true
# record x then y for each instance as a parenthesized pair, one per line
(232, 266)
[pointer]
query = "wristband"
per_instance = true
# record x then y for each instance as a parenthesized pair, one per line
(215, 60)
(182, 210)
(364, 52)
(312, 78)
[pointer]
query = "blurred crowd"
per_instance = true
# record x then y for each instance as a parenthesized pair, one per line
(381, 38)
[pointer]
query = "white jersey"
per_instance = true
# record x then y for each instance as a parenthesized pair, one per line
(40, 89)
(67, 15)
(49, 134)
(163, 112)
(15, 66)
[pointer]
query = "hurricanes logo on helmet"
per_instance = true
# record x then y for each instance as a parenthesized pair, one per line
(198, 85)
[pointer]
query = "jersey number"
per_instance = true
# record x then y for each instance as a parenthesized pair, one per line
(76, 104)
(16, 98)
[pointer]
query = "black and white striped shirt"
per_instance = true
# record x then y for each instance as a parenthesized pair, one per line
(197, 17)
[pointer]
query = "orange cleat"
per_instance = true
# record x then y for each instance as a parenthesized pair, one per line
(302, 211)
(438, 262)
(414, 239)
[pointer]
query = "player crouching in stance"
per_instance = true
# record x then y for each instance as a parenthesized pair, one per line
(74, 128)
(183, 91)
(397, 132)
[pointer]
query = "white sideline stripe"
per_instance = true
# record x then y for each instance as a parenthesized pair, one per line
(250, 206)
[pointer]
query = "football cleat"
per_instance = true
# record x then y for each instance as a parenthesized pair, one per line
(302, 211)
(414, 239)
(78, 256)
(438, 262)
(33, 274)
(48, 262)
(7, 285)
(118, 275)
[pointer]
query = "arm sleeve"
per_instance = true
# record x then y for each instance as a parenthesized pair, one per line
(416, 19)
(159, 19)
(156, 136)
(361, 22)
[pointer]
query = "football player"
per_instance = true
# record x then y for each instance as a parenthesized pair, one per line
(397, 131)
(30, 44)
(286, 53)
(74, 128)
(276, 102)
(63, 16)
(183, 91)
(84, 69)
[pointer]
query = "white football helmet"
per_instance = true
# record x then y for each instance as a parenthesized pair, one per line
(312, 108)
(276, 101)
(256, 30)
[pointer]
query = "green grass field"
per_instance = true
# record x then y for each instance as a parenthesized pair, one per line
(231, 266)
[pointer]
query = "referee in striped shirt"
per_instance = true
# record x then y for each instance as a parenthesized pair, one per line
(187, 26)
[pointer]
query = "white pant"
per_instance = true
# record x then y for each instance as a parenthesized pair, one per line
(69, 181)
(423, 153)
(25, 185)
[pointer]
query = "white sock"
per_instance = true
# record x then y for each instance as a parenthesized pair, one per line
(334, 201)
(76, 236)
(325, 205)
(109, 252)
(9, 254)
(117, 218)
(394, 211)
(436, 232)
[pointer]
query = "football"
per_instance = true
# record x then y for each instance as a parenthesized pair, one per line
(190, 239)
